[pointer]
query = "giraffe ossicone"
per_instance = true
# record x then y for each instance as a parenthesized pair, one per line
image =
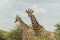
(29, 11)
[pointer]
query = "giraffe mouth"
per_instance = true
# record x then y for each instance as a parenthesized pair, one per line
(16, 20)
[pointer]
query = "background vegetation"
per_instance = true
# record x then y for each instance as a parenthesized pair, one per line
(16, 34)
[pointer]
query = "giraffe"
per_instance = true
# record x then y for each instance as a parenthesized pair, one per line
(27, 32)
(36, 26)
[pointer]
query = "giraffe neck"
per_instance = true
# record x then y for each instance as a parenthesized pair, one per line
(25, 26)
(36, 26)
(35, 23)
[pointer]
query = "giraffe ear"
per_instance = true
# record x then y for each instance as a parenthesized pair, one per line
(32, 11)
(27, 11)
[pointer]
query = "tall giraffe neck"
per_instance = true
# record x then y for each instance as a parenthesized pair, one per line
(25, 26)
(35, 23)
(36, 26)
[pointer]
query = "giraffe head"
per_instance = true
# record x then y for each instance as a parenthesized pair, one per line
(17, 16)
(29, 12)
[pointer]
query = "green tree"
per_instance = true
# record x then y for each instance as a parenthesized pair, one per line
(58, 31)
(2, 34)
(58, 28)
(15, 34)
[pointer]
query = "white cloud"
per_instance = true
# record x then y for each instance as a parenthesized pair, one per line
(6, 23)
(3, 2)
(47, 22)
(38, 9)
(3, 22)
(35, 8)
(20, 13)
(42, 10)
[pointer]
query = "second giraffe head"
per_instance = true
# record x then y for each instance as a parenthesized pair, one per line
(17, 17)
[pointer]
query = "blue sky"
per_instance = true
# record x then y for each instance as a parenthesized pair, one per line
(47, 12)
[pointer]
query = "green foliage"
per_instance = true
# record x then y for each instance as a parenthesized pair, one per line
(58, 26)
(2, 34)
(15, 34)
(58, 31)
